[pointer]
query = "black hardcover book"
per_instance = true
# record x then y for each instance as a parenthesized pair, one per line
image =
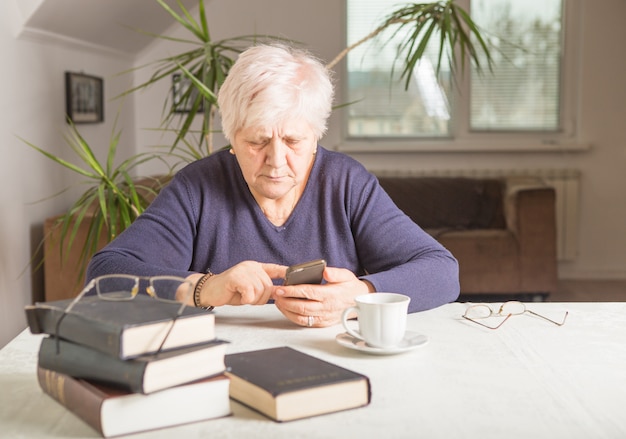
(124, 329)
(285, 384)
(144, 374)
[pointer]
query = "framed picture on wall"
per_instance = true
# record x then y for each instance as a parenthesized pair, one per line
(84, 98)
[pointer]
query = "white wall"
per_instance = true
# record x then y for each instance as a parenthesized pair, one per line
(32, 107)
(33, 104)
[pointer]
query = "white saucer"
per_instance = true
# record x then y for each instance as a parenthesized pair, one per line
(410, 341)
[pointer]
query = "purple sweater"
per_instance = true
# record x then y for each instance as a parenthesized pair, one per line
(206, 218)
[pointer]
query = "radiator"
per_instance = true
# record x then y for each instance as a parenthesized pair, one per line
(566, 183)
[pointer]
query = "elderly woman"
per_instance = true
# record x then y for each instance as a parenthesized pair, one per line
(232, 222)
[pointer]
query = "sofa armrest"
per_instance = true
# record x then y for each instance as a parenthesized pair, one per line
(531, 215)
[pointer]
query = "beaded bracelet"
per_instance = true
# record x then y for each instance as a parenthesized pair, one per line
(198, 289)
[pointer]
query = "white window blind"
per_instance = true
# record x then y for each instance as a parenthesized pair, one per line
(380, 105)
(523, 93)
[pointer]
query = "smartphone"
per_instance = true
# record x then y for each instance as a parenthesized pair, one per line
(306, 273)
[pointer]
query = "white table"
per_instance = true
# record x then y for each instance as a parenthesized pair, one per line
(528, 379)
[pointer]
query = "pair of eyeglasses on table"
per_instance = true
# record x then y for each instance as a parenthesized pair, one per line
(120, 287)
(480, 311)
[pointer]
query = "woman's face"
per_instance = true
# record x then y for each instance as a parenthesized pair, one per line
(274, 160)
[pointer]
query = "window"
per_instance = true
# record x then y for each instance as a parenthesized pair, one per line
(381, 107)
(528, 96)
(523, 93)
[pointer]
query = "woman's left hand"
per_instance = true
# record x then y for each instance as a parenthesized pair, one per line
(321, 305)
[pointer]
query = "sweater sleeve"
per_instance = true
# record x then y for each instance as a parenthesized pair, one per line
(398, 255)
(158, 242)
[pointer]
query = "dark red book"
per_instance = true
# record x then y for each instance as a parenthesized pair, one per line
(114, 412)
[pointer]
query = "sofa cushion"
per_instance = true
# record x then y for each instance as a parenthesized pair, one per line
(449, 203)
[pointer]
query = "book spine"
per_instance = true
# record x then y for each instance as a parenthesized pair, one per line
(82, 362)
(78, 396)
(94, 334)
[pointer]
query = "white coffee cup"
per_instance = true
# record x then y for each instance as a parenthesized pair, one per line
(382, 318)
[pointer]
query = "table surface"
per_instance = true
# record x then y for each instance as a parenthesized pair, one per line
(529, 378)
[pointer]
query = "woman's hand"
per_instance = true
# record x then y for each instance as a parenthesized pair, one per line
(247, 283)
(323, 303)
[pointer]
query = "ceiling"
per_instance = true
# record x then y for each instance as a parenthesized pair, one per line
(110, 23)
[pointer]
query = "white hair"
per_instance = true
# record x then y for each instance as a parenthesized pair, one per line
(269, 84)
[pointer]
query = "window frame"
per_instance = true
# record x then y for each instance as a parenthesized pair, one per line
(465, 140)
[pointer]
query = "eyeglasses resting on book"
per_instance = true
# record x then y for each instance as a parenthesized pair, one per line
(506, 310)
(121, 287)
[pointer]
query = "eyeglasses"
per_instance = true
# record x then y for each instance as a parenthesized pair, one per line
(121, 287)
(506, 310)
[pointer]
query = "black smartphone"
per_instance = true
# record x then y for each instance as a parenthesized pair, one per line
(306, 273)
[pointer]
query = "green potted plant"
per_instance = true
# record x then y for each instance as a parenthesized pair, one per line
(111, 202)
(421, 22)
(205, 65)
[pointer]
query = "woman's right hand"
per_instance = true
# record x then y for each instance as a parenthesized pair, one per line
(247, 283)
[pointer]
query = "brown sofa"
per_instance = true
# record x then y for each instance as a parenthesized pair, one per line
(501, 230)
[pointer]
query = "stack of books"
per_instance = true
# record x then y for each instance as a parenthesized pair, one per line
(108, 366)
